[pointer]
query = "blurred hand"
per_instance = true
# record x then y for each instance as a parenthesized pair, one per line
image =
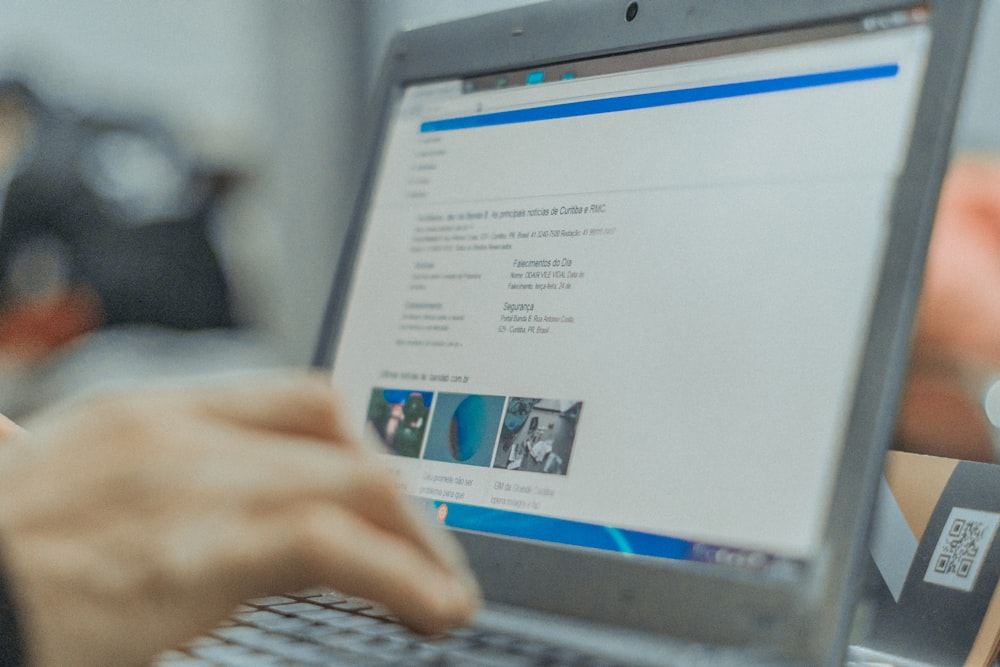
(132, 523)
(7, 428)
(958, 327)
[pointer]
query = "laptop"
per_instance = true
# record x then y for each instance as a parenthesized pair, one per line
(628, 295)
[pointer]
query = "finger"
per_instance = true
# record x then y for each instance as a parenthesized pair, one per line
(394, 512)
(8, 429)
(354, 557)
(303, 404)
(447, 549)
(372, 442)
(289, 470)
(230, 561)
(368, 489)
(321, 545)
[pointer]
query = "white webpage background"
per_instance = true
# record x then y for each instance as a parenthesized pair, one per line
(716, 329)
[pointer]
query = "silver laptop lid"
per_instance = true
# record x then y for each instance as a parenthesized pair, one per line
(628, 295)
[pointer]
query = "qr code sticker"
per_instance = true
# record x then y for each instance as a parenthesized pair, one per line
(962, 548)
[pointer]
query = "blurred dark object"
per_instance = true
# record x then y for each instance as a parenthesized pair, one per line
(104, 222)
(950, 407)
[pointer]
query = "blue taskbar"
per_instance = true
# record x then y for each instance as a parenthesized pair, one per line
(605, 538)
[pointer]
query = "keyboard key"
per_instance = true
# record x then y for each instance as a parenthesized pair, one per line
(353, 604)
(325, 628)
(272, 600)
(333, 619)
(270, 621)
(313, 592)
(327, 598)
(293, 607)
(304, 653)
(242, 634)
(391, 629)
(491, 659)
(378, 611)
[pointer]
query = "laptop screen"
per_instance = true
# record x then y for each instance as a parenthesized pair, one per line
(620, 303)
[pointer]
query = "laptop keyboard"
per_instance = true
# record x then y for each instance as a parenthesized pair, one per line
(324, 628)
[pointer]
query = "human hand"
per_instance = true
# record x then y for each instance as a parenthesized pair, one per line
(132, 523)
(958, 326)
(8, 428)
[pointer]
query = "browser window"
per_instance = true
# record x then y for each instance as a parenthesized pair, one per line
(620, 303)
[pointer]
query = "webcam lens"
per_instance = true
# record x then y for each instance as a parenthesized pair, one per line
(631, 11)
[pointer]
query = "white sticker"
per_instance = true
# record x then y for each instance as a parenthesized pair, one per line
(962, 548)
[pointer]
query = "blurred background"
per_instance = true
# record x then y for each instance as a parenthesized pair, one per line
(220, 138)
(224, 137)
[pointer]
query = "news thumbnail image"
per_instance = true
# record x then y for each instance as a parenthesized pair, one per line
(464, 428)
(399, 416)
(538, 435)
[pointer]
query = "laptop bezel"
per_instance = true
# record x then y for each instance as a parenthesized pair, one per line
(805, 619)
